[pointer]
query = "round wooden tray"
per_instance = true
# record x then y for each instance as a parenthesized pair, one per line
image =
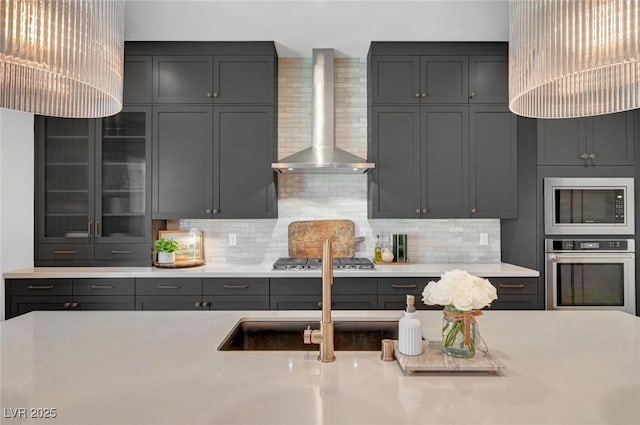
(179, 264)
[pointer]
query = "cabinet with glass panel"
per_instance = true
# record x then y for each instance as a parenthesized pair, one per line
(93, 186)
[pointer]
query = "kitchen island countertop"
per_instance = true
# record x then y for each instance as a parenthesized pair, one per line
(561, 367)
(265, 270)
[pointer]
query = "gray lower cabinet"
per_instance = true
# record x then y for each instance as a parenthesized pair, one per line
(168, 294)
(236, 294)
(168, 302)
(592, 141)
(26, 295)
(306, 294)
(392, 292)
(515, 293)
(191, 180)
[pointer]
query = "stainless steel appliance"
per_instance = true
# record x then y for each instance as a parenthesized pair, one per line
(589, 206)
(590, 274)
(354, 263)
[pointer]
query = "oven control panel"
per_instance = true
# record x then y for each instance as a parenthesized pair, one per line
(555, 245)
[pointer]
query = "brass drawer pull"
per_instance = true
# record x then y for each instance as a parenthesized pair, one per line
(412, 286)
(71, 252)
(236, 286)
(114, 252)
(168, 286)
(103, 286)
(504, 285)
(40, 287)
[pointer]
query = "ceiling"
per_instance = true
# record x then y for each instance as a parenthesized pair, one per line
(298, 26)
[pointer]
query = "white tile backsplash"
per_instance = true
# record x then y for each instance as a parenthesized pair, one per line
(307, 197)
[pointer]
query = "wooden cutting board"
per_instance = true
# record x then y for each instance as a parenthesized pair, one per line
(306, 238)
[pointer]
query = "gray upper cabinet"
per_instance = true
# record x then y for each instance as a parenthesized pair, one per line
(395, 79)
(444, 79)
(183, 164)
(214, 79)
(138, 80)
(599, 140)
(493, 159)
(488, 79)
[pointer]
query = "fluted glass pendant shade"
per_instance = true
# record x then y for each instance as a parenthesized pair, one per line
(62, 58)
(573, 58)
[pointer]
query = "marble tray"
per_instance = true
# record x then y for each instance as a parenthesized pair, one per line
(433, 359)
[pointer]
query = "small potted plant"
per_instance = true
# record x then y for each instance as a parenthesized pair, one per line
(166, 249)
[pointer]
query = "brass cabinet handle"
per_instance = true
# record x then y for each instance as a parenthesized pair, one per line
(472, 94)
(64, 252)
(417, 94)
(424, 211)
(40, 287)
(423, 94)
(473, 210)
(89, 228)
(417, 210)
(216, 94)
(74, 305)
(584, 156)
(208, 211)
(115, 252)
(216, 211)
(236, 286)
(206, 304)
(505, 285)
(399, 286)
(98, 229)
(198, 304)
(168, 286)
(66, 305)
(103, 286)
(592, 156)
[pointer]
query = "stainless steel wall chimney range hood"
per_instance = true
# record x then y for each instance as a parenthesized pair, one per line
(323, 157)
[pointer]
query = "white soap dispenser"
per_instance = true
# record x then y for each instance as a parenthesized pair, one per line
(410, 330)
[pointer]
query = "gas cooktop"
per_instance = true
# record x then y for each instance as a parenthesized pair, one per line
(316, 263)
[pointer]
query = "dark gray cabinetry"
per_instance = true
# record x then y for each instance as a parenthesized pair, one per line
(600, 140)
(190, 178)
(138, 82)
(419, 79)
(236, 294)
(306, 294)
(392, 292)
(213, 79)
(493, 162)
(92, 186)
(26, 295)
(515, 293)
(488, 77)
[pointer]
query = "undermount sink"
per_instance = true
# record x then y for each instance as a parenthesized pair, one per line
(275, 335)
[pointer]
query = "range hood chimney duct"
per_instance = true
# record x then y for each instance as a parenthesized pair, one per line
(323, 157)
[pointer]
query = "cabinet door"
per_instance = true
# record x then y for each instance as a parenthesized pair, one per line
(123, 179)
(236, 302)
(243, 79)
(394, 184)
(168, 303)
(244, 141)
(25, 304)
(493, 163)
(103, 303)
(183, 177)
(445, 155)
(65, 181)
(444, 79)
(562, 142)
(314, 302)
(395, 79)
(182, 79)
(138, 80)
(488, 79)
(610, 139)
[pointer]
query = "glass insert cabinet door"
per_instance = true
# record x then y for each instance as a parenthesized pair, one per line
(67, 178)
(123, 175)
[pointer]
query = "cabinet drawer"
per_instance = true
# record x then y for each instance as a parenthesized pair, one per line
(515, 302)
(313, 286)
(515, 286)
(123, 252)
(235, 287)
(103, 287)
(399, 302)
(404, 285)
(65, 252)
(39, 287)
(169, 286)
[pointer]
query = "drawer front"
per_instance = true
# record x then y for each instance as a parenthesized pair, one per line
(235, 287)
(313, 286)
(169, 286)
(236, 302)
(399, 302)
(123, 252)
(404, 285)
(39, 287)
(515, 302)
(103, 287)
(515, 285)
(65, 252)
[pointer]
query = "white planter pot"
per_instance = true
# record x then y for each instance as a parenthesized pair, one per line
(166, 257)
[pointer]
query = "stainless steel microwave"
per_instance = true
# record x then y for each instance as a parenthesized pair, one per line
(589, 206)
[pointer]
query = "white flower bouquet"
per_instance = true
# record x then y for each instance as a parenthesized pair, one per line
(462, 295)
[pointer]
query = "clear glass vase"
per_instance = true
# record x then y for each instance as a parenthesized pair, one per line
(459, 333)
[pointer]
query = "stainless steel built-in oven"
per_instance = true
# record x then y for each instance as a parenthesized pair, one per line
(589, 206)
(590, 274)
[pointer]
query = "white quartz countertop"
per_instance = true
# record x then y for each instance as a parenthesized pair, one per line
(266, 271)
(561, 367)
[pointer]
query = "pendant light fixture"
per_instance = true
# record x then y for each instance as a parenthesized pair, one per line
(573, 58)
(62, 58)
